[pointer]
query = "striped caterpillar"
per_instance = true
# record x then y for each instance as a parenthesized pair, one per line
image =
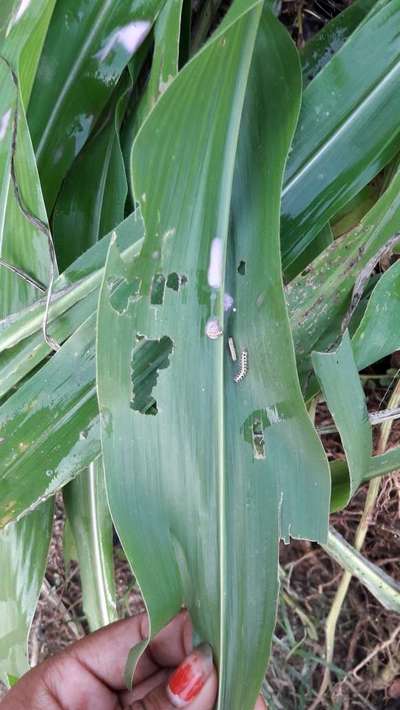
(244, 367)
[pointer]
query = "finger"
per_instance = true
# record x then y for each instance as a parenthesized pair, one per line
(105, 652)
(193, 685)
(173, 643)
(128, 697)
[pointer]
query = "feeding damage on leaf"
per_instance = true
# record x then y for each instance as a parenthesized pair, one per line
(193, 464)
(159, 282)
(148, 357)
(122, 292)
(258, 421)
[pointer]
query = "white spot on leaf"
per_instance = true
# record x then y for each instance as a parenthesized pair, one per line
(24, 4)
(4, 121)
(213, 329)
(228, 302)
(214, 274)
(129, 37)
(163, 85)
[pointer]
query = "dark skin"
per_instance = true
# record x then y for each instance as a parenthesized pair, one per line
(89, 674)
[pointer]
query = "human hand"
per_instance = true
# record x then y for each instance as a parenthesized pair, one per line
(89, 674)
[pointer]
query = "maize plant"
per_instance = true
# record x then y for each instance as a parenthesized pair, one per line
(191, 219)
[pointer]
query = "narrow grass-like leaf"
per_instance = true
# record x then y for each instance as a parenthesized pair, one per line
(98, 40)
(80, 280)
(347, 130)
(24, 243)
(341, 386)
(24, 31)
(318, 299)
(87, 511)
(8, 101)
(165, 61)
(164, 67)
(233, 47)
(48, 428)
(6, 11)
(82, 217)
(378, 334)
(79, 284)
(24, 357)
(202, 450)
(377, 466)
(59, 435)
(30, 250)
(354, 211)
(321, 48)
(323, 240)
(340, 383)
(384, 463)
(23, 554)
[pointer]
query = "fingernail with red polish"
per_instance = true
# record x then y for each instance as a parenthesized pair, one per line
(187, 681)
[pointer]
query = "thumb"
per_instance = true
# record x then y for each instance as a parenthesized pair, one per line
(192, 685)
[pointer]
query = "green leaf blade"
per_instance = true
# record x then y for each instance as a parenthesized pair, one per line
(199, 474)
(23, 554)
(378, 334)
(91, 213)
(338, 375)
(346, 131)
(318, 299)
(69, 95)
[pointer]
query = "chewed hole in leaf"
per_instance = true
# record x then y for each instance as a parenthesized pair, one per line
(253, 430)
(173, 281)
(258, 440)
(242, 268)
(148, 357)
(176, 281)
(121, 291)
(157, 289)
